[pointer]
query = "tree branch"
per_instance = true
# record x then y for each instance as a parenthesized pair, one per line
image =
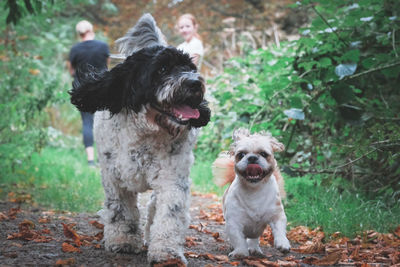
(372, 70)
(327, 23)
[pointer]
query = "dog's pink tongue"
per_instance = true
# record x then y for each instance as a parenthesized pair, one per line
(253, 170)
(186, 112)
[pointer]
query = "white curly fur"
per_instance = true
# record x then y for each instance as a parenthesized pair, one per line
(135, 156)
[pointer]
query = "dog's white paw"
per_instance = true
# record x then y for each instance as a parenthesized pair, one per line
(239, 253)
(165, 255)
(124, 248)
(124, 243)
(257, 252)
(282, 244)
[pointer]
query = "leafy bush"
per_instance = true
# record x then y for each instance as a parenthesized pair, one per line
(332, 96)
(32, 77)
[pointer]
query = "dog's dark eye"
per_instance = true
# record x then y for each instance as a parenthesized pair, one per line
(264, 154)
(240, 155)
(162, 70)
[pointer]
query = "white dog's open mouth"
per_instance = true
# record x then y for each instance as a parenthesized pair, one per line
(180, 114)
(254, 173)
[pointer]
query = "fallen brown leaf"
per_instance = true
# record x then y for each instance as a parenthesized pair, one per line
(44, 220)
(217, 258)
(311, 247)
(97, 224)
(260, 263)
(3, 217)
(99, 236)
(70, 233)
(18, 245)
(67, 248)
(191, 254)
(330, 259)
(217, 238)
(397, 231)
(287, 263)
(26, 225)
(69, 261)
(190, 241)
(12, 213)
(27, 233)
(299, 234)
(395, 257)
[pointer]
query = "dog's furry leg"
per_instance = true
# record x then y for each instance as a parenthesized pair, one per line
(278, 226)
(120, 215)
(237, 240)
(171, 219)
(151, 210)
(254, 247)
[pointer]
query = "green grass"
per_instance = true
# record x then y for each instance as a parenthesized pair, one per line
(311, 204)
(58, 178)
(202, 180)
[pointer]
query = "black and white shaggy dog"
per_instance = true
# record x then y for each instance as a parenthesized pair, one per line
(148, 111)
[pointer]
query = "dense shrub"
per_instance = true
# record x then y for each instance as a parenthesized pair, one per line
(32, 77)
(332, 96)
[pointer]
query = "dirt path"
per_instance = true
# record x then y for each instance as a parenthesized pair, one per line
(205, 242)
(36, 237)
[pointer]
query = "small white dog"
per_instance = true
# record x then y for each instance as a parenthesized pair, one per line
(253, 200)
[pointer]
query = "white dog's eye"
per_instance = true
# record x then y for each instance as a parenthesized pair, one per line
(264, 154)
(240, 155)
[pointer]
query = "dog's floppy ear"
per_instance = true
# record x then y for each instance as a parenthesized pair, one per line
(112, 90)
(240, 133)
(276, 145)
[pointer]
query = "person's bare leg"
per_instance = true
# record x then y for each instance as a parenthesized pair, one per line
(90, 153)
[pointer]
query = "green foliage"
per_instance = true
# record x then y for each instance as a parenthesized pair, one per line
(32, 78)
(331, 97)
(17, 9)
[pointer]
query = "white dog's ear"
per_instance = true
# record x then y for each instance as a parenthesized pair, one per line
(240, 133)
(276, 145)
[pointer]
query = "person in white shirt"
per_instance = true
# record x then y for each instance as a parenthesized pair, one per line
(187, 27)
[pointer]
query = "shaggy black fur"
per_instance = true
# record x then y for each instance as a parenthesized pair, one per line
(137, 81)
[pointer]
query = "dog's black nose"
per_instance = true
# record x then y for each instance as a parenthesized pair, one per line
(252, 159)
(194, 90)
(193, 85)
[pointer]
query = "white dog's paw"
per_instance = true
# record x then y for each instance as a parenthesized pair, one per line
(124, 243)
(282, 244)
(124, 248)
(257, 252)
(239, 253)
(165, 255)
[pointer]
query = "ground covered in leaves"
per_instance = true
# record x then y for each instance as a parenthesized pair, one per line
(38, 237)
